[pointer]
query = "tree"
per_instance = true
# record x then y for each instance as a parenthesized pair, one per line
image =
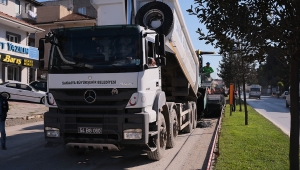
(264, 26)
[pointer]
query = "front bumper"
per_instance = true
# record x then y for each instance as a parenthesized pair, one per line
(112, 126)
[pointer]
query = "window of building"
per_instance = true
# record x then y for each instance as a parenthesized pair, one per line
(12, 37)
(18, 7)
(12, 73)
(82, 10)
(4, 2)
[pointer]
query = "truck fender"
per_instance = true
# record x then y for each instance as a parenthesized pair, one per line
(159, 102)
(152, 11)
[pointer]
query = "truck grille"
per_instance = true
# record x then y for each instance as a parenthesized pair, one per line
(105, 98)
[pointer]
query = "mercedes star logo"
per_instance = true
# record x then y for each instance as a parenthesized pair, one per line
(114, 91)
(90, 96)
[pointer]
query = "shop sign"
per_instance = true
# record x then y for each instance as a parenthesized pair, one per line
(15, 60)
(14, 49)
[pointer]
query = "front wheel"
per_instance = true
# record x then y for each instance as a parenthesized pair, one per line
(160, 141)
(6, 95)
(42, 100)
(174, 127)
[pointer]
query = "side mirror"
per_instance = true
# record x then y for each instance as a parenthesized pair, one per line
(162, 50)
(157, 44)
(160, 44)
(41, 49)
(41, 64)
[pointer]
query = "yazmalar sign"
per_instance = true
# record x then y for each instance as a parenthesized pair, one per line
(15, 49)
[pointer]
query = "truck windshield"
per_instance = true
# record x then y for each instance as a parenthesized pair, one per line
(96, 49)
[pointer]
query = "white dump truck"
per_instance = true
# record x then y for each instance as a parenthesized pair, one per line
(132, 79)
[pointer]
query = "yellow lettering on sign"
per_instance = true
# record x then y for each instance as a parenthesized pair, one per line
(7, 58)
(10, 59)
(18, 61)
(28, 62)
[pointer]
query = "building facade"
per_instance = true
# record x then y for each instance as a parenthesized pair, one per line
(76, 6)
(18, 55)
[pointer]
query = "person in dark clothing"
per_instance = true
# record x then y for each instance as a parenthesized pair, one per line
(223, 99)
(3, 114)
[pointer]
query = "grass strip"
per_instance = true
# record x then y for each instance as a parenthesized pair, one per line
(258, 145)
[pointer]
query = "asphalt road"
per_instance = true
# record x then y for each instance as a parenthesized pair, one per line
(26, 150)
(273, 109)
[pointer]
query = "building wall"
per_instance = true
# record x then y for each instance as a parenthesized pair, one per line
(5, 29)
(22, 72)
(65, 3)
(9, 8)
(90, 10)
(51, 13)
(73, 6)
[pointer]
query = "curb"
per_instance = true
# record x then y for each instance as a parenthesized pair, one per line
(33, 117)
(28, 117)
(215, 140)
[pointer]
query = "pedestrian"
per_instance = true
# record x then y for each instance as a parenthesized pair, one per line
(223, 97)
(3, 114)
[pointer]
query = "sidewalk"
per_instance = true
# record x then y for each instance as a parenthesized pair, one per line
(24, 112)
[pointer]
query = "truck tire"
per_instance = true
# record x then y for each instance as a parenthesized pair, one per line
(154, 11)
(189, 127)
(195, 117)
(160, 140)
(174, 126)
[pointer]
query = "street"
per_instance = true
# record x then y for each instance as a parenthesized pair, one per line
(273, 109)
(26, 150)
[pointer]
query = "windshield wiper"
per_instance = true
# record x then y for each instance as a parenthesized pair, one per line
(72, 63)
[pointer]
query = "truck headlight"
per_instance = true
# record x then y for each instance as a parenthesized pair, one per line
(132, 134)
(51, 100)
(52, 132)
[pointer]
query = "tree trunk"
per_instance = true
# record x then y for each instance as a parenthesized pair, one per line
(240, 101)
(294, 97)
(244, 88)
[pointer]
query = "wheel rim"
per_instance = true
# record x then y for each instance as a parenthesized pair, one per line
(175, 127)
(153, 16)
(43, 100)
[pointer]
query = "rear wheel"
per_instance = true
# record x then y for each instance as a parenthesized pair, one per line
(190, 116)
(173, 129)
(160, 141)
(6, 95)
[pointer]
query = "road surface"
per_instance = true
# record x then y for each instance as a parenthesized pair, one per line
(26, 150)
(273, 109)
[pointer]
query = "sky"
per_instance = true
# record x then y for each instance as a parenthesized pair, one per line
(192, 24)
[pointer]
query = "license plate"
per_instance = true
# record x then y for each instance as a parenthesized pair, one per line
(90, 130)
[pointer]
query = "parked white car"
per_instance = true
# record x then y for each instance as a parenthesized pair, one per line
(284, 94)
(20, 91)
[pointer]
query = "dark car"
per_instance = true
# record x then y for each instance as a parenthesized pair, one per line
(39, 85)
